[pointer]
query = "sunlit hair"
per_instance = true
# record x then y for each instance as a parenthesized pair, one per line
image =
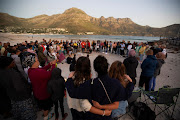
(149, 52)
(117, 71)
(160, 55)
(82, 70)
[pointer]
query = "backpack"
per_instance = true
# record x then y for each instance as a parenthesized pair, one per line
(142, 112)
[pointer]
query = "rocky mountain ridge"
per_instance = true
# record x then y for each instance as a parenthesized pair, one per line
(76, 20)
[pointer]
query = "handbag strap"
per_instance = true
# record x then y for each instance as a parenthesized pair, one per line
(103, 88)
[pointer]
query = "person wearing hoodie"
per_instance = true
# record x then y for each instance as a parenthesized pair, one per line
(160, 61)
(148, 67)
(56, 87)
(131, 64)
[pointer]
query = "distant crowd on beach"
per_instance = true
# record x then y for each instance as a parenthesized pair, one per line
(31, 81)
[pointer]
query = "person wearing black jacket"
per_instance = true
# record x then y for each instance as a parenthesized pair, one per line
(56, 87)
(18, 90)
(131, 64)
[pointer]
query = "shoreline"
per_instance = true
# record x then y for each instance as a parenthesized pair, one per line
(39, 37)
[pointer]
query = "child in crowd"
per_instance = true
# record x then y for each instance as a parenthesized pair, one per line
(69, 59)
(73, 64)
(56, 87)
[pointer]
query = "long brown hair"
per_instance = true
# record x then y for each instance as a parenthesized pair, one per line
(117, 71)
(82, 70)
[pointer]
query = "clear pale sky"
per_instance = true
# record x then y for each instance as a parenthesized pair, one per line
(154, 13)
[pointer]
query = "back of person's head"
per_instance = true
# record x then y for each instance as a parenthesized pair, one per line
(82, 70)
(56, 73)
(149, 52)
(160, 55)
(117, 71)
(5, 62)
(40, 49)
(30, 46)
(132, 53)
(101, 65)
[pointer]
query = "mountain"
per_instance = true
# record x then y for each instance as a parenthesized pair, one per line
(76, 20)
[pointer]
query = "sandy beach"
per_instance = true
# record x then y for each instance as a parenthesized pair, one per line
(169, 72)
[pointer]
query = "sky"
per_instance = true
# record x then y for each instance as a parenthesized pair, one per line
(154, 13)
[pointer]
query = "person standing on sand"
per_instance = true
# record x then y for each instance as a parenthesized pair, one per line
(138, 47)
(4, 50)
(142, 52)
(83, 44)
(94, 90)
(148, 67)
(160, 61)
(56, 87)
(39, 78)
(122, 48)
(131, 64)
(117, 71)
(114, 45)
(81, 108)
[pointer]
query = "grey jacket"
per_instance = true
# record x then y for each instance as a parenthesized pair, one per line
(160, 62)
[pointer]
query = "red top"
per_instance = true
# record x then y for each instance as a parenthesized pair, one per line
(43, 47)
(89, 44)
(39, 78)
(83, 44)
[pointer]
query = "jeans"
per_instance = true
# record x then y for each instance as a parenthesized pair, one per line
(152, 81)
(141, 57)
(118, 51)
(121, 109)
(83, 49)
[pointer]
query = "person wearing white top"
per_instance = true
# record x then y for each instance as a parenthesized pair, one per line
(79, 107)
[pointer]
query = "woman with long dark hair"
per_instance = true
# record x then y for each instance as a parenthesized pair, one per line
(103, 90)
(80, 108)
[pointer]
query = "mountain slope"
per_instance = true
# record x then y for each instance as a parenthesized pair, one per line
(76, 20)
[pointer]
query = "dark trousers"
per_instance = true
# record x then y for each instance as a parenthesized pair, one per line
(122, 52)
(76, 115)
(114, 50)
(61, 106)
(144, 79)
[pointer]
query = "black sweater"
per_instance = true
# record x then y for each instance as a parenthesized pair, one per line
(17, 87)
(131, 64)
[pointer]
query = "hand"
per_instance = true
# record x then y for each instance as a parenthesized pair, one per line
(108, 112)
(128, 78)
(71, 75)
(96, 104)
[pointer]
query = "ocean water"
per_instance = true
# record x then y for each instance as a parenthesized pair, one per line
(101, 37)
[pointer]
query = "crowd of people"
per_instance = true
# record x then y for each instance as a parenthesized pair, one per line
(30, 80)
